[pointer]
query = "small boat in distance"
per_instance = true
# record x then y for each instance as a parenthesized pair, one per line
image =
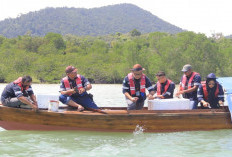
(117, 119)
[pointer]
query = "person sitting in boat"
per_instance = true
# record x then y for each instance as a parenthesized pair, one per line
(189, 84)
(19, 93)
(74, 89)
(134, 85)
(164, 87)
(210, 94)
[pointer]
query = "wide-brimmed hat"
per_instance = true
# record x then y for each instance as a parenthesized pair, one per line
(137, 67)
(70, 69)
(186, 68)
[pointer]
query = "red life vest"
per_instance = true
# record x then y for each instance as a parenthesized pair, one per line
(184, 80)
(206, 92)
(132, 84)
(19, 83)
(165, 88)
(78, 82)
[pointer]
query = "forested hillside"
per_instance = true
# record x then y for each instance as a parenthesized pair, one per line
(107, 59)
(78, 21)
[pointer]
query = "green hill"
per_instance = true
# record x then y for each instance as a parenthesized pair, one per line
(121, 18)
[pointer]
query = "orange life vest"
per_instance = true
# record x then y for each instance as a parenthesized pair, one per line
(19, 83)
(165, 88)
(206, 92)
(132, 84)
(78, 82)
(184, 80)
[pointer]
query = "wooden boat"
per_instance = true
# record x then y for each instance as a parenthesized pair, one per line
(116, 119)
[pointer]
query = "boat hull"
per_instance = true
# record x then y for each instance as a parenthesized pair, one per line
(115, 120)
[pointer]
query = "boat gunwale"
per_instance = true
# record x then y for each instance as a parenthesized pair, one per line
(223, 110)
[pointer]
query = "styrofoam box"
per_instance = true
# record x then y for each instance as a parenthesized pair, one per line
(43, 100)
(170, 104)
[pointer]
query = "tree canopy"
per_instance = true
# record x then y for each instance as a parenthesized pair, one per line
(107, 59)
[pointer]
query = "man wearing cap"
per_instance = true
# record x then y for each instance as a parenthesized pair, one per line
(134, 85)
(164, 87)
(19, 94)
(73, 90)
(210, 93)
(189, 84)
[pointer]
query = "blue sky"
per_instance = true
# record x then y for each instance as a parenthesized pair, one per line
(200, 16)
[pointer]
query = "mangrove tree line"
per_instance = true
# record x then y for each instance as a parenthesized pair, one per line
(107, 59)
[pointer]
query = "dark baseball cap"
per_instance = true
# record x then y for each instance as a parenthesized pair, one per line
(186, 68)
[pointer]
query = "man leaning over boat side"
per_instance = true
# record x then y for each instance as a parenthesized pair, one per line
(134, 85)
(74, 89)
(164, 87)
(189, 84)
(19, 93)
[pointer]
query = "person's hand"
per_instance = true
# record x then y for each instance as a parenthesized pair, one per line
(72, 91)
(35, 103)
(221, 103)
(82, 90)
(205, 104)
(34, 107)
(150, 97)
(75, 89)
(179, 93)
(159, 96)
(80, 108)
(134, 99)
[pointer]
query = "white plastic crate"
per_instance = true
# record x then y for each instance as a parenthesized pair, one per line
(170, 104)
(43, 100)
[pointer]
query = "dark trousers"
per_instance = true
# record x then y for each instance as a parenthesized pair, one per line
(85, 100)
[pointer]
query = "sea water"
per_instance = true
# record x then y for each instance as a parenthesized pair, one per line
(112, 144)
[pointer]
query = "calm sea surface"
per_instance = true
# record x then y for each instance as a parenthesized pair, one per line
(104, 144)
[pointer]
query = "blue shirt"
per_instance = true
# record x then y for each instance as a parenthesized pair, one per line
(13, 90)
(73, 84)
(195, 82)
(169, 93)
